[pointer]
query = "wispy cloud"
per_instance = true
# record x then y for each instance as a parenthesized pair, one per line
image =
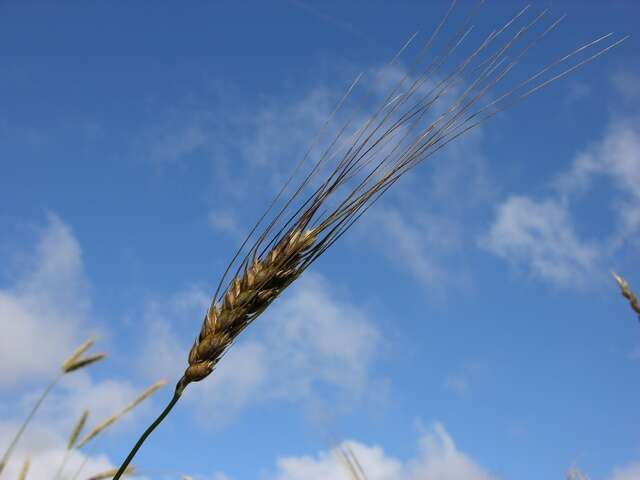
(45, 308)
(542, 235)
(312, 341)
(438, 458)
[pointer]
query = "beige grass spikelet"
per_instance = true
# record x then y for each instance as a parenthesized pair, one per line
(74, 362)
(25, 469)
(78, 352)
(115, 417)
(77, 429)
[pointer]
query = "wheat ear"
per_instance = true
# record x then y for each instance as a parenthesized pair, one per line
(74, 362)
(71, 442)
(626, 292)
(399, 135)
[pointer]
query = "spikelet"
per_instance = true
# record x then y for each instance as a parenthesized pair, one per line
(74, 362)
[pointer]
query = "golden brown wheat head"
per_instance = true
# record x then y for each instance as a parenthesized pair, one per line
(248, 296)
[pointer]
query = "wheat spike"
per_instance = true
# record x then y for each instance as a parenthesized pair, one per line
(247, 298)
(74, 362)
(113, 418)
(626, 292)
(404, 131)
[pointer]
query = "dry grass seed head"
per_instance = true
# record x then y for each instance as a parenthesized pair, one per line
(77, 429)
(113, 418)
(25, 469)
(84, 362)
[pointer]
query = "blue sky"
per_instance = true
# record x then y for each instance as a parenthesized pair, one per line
(467, 327)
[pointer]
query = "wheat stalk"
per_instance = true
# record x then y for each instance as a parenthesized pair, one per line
(626, 292)
(75, 433)
(74, 362)
(399, 135)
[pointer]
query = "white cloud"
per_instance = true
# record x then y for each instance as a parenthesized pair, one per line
(45, 449)
(540, 235)
(419, 244)
(464, 378)
(45, 308)
(44, 315)
(308, 339)
(627, 83)
(629, 472)
(616, 157)
(438, 458)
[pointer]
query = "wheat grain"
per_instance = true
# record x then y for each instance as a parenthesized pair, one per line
(400, 134)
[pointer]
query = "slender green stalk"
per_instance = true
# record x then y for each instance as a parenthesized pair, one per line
(182, 384)
(34, 409)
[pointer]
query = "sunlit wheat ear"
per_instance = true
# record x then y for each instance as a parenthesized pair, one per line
(439, 99)
(71, 442)
(102, 426)
(628, 294)
(130, 470)
(73, 363)
(248, 297)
